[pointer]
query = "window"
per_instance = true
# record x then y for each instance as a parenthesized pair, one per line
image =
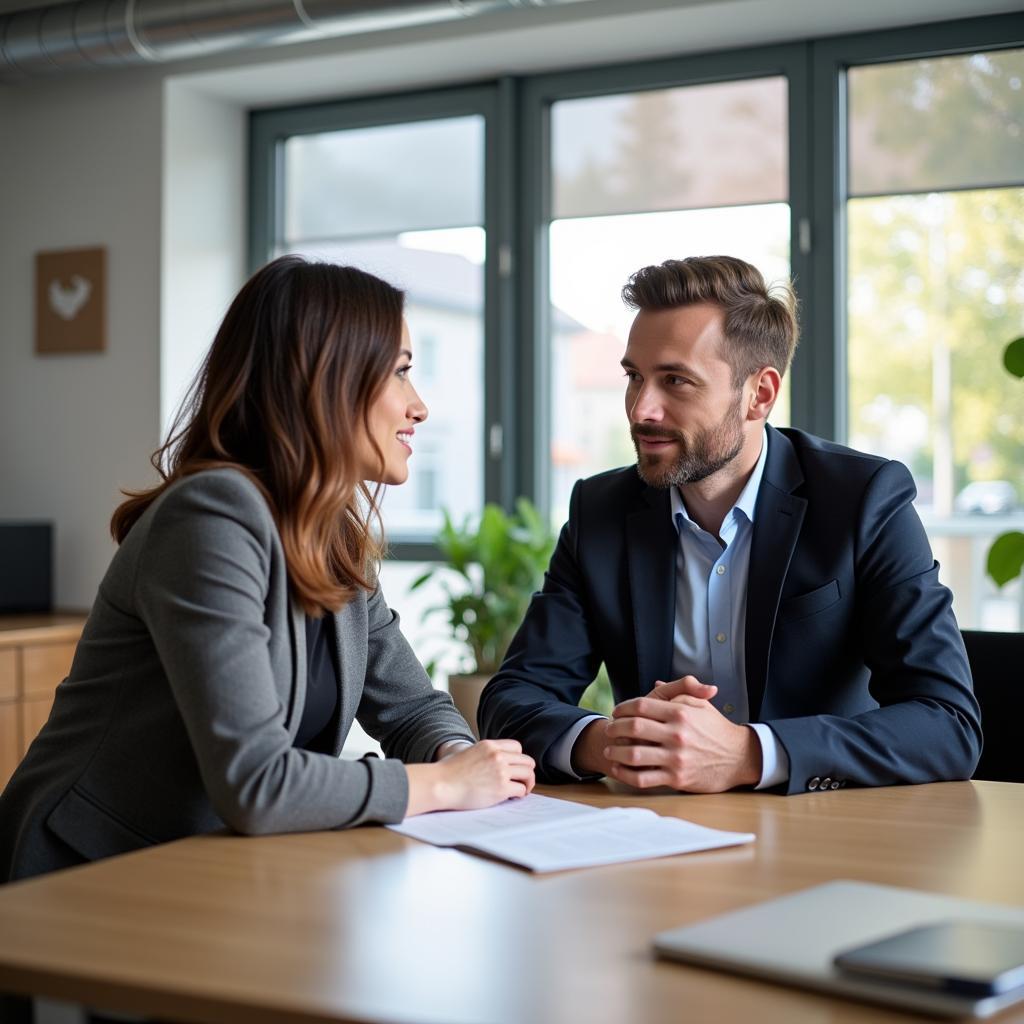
(405, 201)
(882, 171)
(426, 357)
(639, 178)
(935, 255)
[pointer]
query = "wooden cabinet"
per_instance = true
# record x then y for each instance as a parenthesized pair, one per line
(35, 655)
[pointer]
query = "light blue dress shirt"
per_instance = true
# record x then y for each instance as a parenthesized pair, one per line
(710, 627)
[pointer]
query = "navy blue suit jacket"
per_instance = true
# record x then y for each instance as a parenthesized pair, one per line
(853, 656)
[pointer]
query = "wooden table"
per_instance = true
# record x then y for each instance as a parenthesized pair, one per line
(369, 926)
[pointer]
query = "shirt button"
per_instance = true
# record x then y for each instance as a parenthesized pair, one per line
(835, 785)
(720, 637)
(826, 782)
(813, 783)
(729, 708)
(720, 570)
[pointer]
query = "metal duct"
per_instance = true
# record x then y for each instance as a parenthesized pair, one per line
(114, 33)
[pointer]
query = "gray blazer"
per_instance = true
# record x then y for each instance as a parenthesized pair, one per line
(187, 690)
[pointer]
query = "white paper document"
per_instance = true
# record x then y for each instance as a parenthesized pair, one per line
(545, 834)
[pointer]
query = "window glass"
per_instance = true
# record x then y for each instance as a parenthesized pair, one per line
(641, 178)
(405, 202)
(670, 149)
(943, 123)
(372, 182)
(935, 292)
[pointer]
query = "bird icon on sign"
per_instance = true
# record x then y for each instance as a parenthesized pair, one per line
(68, 302)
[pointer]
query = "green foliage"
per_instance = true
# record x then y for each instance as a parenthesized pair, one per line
(1013, 357)
(934, 278)
(495, 564)
(598, 695)
(1006, 556)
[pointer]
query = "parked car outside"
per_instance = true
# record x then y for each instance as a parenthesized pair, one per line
(986, 498)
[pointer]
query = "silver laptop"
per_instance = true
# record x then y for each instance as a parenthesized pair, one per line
(793, 939)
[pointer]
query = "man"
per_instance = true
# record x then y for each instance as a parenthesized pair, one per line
(766, 602)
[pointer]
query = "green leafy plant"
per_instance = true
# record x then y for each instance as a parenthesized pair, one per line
(598, 695)
(1006, 556)
(496, 563)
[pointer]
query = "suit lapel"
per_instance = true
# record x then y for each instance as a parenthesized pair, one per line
(778, 517)
(350, 675)
(346, 673)
(296, 697)
(651, 555)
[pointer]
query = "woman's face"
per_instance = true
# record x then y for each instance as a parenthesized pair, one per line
(393, 416)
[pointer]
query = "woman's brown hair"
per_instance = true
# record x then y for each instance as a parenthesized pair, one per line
(284, 396)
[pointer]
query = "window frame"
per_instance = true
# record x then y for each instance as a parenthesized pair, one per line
(831, 59)
(540, 92)
(268, 129)
(517, 206)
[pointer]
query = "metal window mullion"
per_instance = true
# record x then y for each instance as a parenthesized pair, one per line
(827, 323)
(500, 443)
(804, 240)
(265, 193)
(533, 372)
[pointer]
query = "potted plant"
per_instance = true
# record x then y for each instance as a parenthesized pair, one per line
(491, 567)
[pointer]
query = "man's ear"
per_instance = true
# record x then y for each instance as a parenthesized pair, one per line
(764, 391)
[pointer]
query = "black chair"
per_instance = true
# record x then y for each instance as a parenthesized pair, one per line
(997, 664)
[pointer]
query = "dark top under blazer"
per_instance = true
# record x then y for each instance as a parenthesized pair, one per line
(853, 656)
(187, 690)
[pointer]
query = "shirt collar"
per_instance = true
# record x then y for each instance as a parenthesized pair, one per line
(745, 503)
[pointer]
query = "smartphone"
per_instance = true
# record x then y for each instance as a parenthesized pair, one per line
(969, 958)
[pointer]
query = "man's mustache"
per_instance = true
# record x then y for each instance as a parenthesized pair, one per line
(667, 435)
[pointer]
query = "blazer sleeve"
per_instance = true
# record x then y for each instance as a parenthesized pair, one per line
(552, 659)
(201, 582)
(927, 727)
(399, 707)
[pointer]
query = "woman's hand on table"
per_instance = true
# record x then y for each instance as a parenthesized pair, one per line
(476, 776)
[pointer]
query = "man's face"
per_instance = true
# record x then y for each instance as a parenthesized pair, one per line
(684, 412)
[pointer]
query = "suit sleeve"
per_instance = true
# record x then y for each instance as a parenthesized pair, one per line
(927, 727)
(200, 589)
(552, 659)
(399, 707)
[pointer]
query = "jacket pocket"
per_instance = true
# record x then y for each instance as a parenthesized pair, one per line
(804, 605)
(91, 830)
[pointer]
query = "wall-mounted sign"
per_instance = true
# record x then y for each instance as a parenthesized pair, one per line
(71, 288)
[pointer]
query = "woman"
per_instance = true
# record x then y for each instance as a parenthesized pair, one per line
(239, 628)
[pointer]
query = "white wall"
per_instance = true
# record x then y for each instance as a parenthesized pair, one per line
(79, 166)
(204, 230)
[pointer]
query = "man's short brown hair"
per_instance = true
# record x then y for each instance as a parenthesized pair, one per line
(760, 322)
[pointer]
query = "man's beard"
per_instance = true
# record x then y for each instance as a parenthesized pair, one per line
(708, 451)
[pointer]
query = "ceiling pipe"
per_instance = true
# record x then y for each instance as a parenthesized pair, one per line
(117, 33)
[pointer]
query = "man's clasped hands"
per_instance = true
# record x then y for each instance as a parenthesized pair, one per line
(673, 737)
